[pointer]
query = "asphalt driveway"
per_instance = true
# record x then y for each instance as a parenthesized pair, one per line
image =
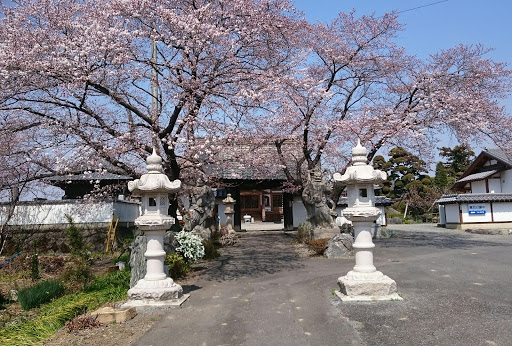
(456, 288)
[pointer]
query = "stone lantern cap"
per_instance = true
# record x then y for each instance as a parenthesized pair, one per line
(229, 200)
(360, 172)
(155, 180)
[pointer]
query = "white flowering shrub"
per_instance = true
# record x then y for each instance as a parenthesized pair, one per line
(190, 246)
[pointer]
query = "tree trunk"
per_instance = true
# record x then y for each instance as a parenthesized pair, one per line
(318, 205)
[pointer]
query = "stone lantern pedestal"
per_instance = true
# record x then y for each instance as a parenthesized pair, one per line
(363, 282)
(155, 289)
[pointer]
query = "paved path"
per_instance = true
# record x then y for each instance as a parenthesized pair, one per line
(457, 290)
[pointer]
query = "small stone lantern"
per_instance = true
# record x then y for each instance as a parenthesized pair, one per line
(363, 282)
(155, 289)
(229, 210)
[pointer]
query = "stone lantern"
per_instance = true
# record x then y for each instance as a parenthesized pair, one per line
(363, 282)
(229, 210)
(155, 289)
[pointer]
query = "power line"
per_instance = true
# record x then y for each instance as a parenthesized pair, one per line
(427, 5)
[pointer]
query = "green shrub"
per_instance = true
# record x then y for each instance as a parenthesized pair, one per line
(34, 267)
(210, 249)
(178, 267)
(43, 292)
(318, 245)
(77, 274)
(75, 239)
(190, 246)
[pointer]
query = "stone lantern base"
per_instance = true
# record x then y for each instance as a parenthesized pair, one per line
(158, 293)
(357, 286)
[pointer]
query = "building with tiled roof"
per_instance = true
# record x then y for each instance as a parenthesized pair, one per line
(485, 200)
(254, 176)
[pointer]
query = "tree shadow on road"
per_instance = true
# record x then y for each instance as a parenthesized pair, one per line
(254, 255)
(439, 240)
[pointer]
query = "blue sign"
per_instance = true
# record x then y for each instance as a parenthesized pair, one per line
(476, 209)
(477, 212)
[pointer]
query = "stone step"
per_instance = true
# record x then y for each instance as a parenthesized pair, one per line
(108, 315)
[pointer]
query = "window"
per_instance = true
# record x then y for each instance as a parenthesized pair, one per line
(277, 201)
(249, 202)
(363, 192)
(152, 202)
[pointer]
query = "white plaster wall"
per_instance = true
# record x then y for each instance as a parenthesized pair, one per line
(478, 186)
(48, 214)
(299, 212)
(126, 211)
(495, 185)
(506, 181)
(466, 218)
(452, 213)
(502, 211)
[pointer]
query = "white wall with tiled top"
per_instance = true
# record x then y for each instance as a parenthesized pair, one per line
(476, 218)
(502, 211)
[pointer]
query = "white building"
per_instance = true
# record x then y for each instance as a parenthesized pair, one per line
(486, 198)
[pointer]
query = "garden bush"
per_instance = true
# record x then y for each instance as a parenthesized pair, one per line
(228, 239)
(178, 267)
(34, 267)
(77, 274)
(304, 232)
(210, 249)
(190, 246)
(40, 293)
(75, 239)
(318, 245)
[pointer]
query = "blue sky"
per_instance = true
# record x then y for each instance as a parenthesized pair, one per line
(431, 28)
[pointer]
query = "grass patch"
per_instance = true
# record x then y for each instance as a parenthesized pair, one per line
(53, 316)
(40, 293)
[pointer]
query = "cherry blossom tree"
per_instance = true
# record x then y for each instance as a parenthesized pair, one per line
(102, 82)
(18, 176)
(355, 82)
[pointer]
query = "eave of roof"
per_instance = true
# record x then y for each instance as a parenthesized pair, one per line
(483, 157)
(478, 176)
(475, 198)
(88, 176)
